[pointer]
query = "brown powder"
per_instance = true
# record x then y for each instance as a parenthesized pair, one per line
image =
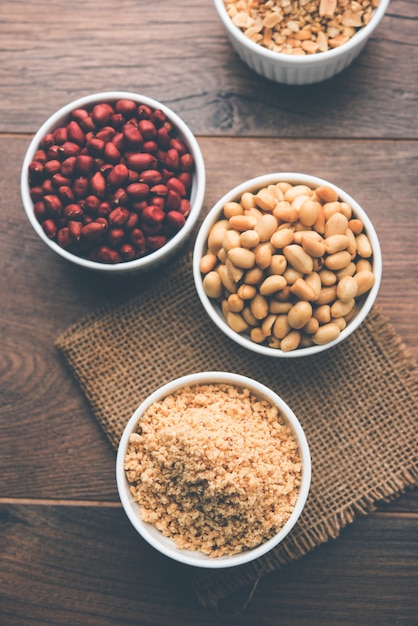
(214, 468)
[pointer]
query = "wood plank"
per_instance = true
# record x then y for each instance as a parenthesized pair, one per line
(180, 54)
(42, 296)
(86, 566)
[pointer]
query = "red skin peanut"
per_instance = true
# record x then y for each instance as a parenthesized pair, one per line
(68, 148)
(152, 215)
(127, 252)
(98, 185)
(140, 161)
(105, 254)
(155, 242)
(75, 133)
(60, 135)
(132, 136)
(40, 210)
(118, 217)
(73, 212)
(175, 220)
(84, 164)
(49, 228)
(53, 205)
(125, 107)
(64, 238)
(36, 172)
(92, 230)
(118, 175)
(150, 177)
(102, 113)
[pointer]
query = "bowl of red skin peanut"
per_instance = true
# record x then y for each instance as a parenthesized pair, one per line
(114, 182)
(293, 278)
(307, 45)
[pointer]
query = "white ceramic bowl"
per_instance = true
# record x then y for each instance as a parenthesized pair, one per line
(298, 70)
(213, 307)
(166, 545)
(156, 257)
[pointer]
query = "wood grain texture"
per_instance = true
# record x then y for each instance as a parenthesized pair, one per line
(42, 295)
(180, 54)
(84, 566)
(68, 555)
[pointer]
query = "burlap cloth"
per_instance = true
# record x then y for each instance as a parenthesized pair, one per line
(356, 402)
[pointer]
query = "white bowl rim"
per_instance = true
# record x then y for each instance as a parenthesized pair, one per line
(168, 547)
(198, 189)
(306, 60)
(257, 183)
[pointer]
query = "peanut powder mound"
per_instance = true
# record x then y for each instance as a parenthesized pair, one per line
(214, 468)
(300, 26)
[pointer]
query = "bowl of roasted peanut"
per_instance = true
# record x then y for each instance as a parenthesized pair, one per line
(287, 264)
(299, 42)
(113, 182)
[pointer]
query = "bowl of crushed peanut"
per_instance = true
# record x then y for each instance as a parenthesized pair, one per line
(300, 42)
(213, 469)
(287, 265)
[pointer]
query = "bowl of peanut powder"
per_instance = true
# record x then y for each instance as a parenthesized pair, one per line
(213, 469)
(300, 42)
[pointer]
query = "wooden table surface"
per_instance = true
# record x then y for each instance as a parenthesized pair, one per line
(68, 554)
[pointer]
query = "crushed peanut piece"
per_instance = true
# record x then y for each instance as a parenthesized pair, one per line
(300, 26)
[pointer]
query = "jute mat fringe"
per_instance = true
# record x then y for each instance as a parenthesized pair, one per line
(357, 404)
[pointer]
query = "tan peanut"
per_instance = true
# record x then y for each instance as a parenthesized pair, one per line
(235, 273)
(249, 239)
(336, 243)
(326, 194)
(282, 238)
(231, 239)
(340, 308)
(242, 257)
(212, 285)
(235, 303)
(347, 288)
(302, 290)
(298, 258)
(364, 247)
(291, 341)
(246, 292)
(207, 262)
(326, 333)
(266, 226)
(312, 246)
(365, 281)
(263, 253)
(242, 222)
(236, 322)
(232, 208)
(338, 260)
(259, 307)
(216, 235)
(337, 224)
(278, 264)
(272, 284)
(299, 314)
(265, 200)
(308, 212)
